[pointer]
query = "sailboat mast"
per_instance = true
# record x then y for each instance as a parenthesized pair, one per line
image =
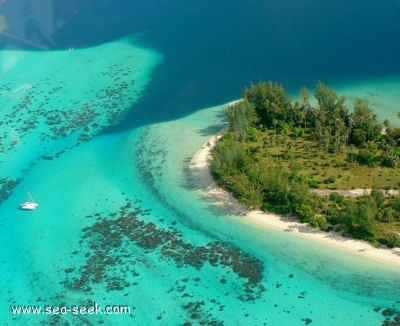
(29, 195)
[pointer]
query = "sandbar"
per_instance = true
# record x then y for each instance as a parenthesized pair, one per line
(200, 164)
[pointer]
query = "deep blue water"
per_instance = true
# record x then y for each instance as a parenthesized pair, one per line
(144, 75)
(213, 48)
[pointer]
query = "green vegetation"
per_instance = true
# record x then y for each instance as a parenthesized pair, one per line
(276, 150)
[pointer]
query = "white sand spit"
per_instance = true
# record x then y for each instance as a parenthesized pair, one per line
(200, 164)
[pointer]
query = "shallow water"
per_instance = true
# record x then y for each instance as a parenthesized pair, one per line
(102, 137)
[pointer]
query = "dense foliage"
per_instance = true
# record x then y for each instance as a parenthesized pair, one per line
(267, 122)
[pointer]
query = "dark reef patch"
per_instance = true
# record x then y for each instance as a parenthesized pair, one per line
(6, 187)
(307, 321)
(115, 238)
(46, 112)
(392, 316)
(197, 314)
(48, 103)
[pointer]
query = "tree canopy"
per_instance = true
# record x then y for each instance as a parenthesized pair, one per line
(266, 124)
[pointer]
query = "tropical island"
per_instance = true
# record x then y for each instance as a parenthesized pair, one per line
(332, 167)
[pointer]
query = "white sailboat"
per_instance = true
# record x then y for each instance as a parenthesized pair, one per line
(29, 205)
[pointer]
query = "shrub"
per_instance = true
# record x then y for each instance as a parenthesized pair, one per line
(244, 190)
(298, 132)
(266, 207)
(393, 239)
(319, 221)
(253, 134)
(337, 198)
(312, 183)
(366, 157)
(388, 159)
(331, 179)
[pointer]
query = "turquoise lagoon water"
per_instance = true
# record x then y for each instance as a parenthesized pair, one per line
(103, 136)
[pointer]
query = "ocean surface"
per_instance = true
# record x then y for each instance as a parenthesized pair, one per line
(100, 128)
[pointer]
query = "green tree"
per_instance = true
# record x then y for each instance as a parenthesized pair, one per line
(229, 156)
(303, 203)
(270, 102)
(359, 218)
(364, 125)
(241, 116)
(332, 119)
(368, 155)
(274, 183)
(248, 193)
(307, 111)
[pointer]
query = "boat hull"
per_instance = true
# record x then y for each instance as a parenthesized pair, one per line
(29, 206)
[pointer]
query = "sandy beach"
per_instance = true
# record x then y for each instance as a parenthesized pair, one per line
(200, 164)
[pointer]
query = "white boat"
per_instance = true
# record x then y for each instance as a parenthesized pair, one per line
(29, 205)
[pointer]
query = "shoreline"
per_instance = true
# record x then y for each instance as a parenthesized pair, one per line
(200, 164)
